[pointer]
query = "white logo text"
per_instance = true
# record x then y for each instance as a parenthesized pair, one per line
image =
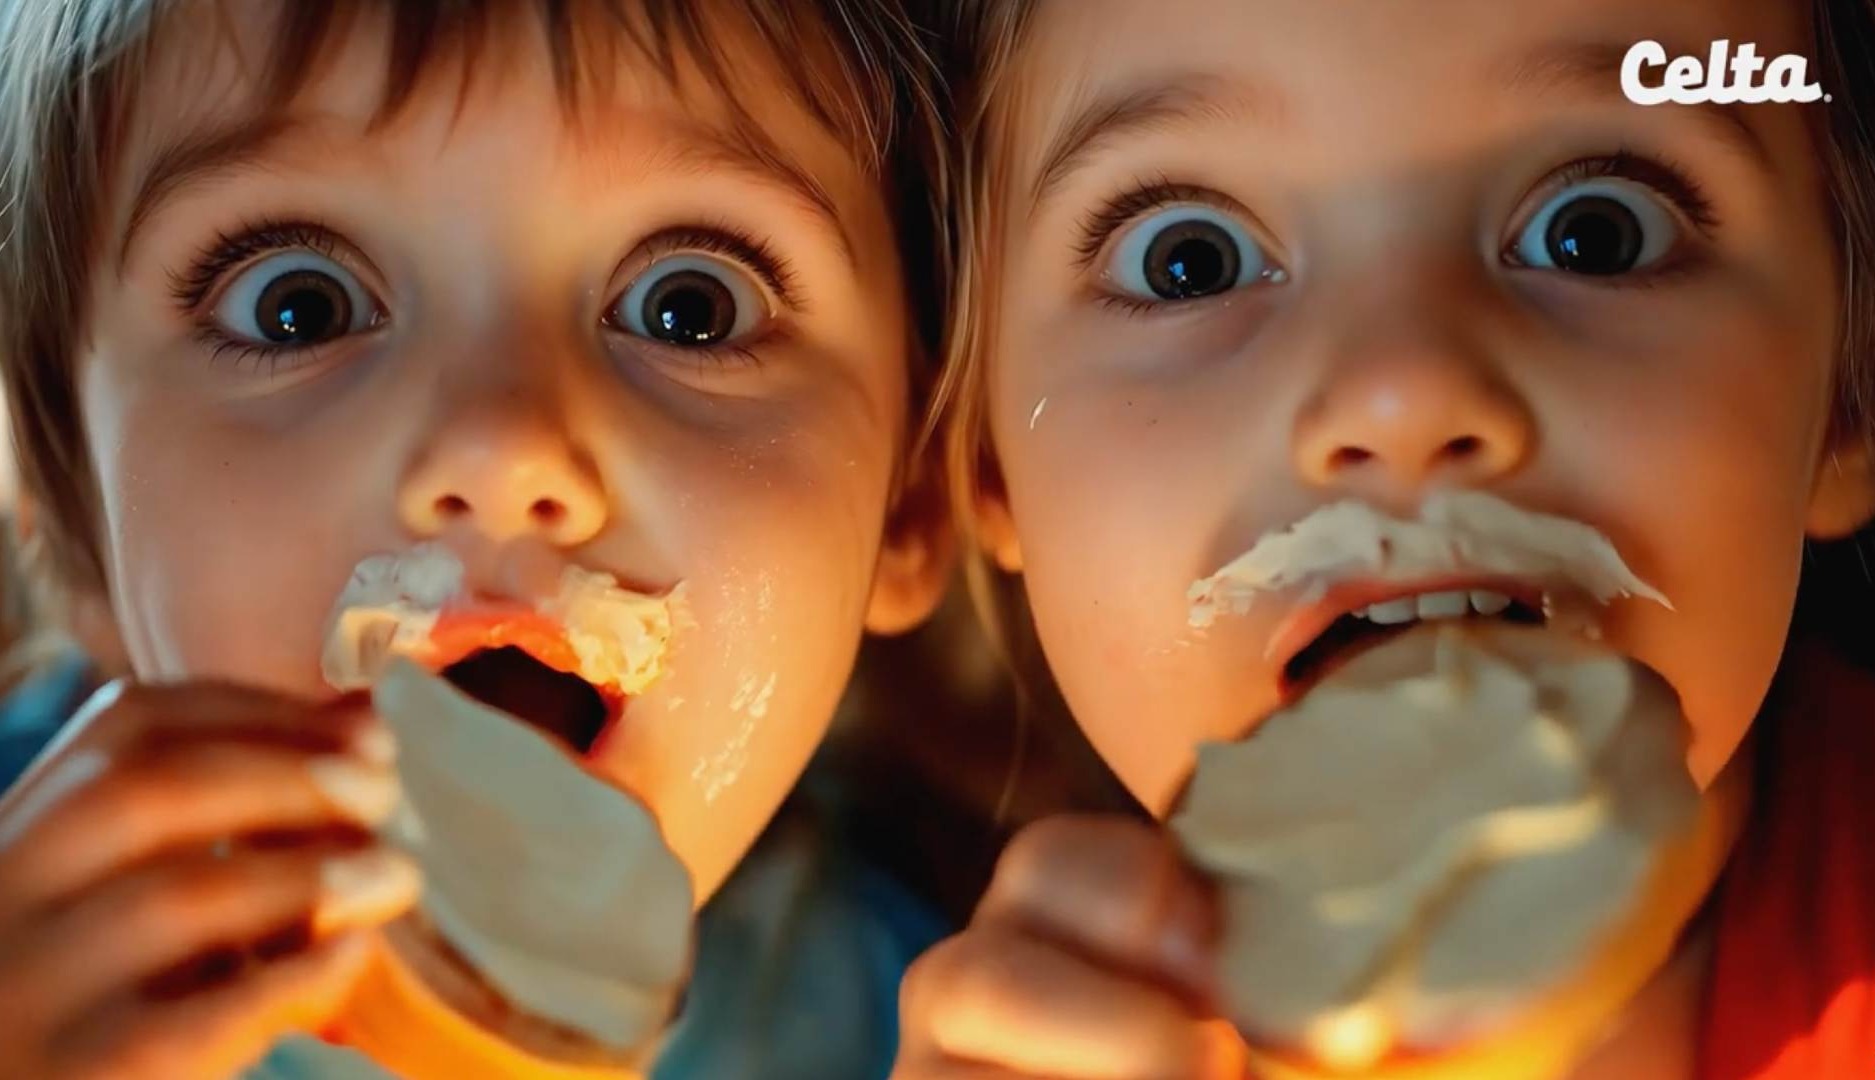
(1687, 82)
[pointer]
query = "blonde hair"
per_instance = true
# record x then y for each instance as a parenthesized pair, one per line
(69, 70)
(986, 37)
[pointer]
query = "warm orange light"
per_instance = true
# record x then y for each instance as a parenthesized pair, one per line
(397, 1021)
(1352, 1039)
(460, 633)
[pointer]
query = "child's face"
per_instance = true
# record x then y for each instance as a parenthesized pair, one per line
(500, 383)
(1368, 204)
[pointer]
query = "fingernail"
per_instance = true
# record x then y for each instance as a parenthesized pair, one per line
(364, 886)
(375, 744)
(366, 793)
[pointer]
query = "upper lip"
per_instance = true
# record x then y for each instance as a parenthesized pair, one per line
(1303, 624)
(494, 613)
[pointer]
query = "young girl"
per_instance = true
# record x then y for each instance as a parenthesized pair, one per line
(614, 286)
(1228, 263)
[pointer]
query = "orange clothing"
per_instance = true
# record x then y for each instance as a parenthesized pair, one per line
(1791, 994)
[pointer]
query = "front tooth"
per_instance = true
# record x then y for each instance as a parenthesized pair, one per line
(1443, 605)
(1489, 603)
(1394, 612)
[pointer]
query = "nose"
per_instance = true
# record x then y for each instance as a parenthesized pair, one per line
(507, 474)
(1400, 418)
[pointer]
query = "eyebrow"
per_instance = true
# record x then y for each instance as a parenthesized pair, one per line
(1589, 68)
(1133, 110)
(203, 156)
(750, 154)
(199, 157)
(1593, 69)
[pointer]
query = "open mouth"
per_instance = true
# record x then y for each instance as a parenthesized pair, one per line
(1355, 631)
(562, 706)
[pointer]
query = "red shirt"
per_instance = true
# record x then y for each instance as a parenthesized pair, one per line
(1792, 990)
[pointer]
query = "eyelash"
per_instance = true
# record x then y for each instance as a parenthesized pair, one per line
(230, 251)
(1663, 177)
(735, 245)
(1146, 196)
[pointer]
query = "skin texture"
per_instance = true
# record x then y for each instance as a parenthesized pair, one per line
(1385, 158)
(492, 403)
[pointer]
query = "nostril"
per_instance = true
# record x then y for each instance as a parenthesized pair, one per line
(1347, 457)
(451, 506)
(1462, 447)
(547, 511)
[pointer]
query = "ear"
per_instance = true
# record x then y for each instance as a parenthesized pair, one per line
(919, 551)
(995, 523)
(1842, 498)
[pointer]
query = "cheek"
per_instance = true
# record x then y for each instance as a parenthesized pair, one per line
(777, 557)
(1117, 513)
(1714, 430)
(1721, 521)
(211, 531)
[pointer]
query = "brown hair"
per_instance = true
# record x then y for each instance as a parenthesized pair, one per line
(69, 70)
(984, 38)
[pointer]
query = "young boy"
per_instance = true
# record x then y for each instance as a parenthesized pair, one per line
(1230, 264)
(614, 286)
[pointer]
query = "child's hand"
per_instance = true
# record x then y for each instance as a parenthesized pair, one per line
(188, 878)
(1089, 957)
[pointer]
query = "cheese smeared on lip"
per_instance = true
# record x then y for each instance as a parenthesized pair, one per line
(618, 635)
(1457, 531)
(411, 604)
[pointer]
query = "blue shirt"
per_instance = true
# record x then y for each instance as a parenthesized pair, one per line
(798, 956)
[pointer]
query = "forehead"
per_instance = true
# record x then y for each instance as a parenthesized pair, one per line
(213, 71)
(1315, 68)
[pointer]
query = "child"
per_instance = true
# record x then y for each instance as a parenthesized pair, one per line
(1229, 263)
(608, 285)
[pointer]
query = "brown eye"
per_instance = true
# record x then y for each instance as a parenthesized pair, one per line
(691, 301)
(1191, 259)
(1186, 253)
(1594, 235)
(1603, 228)
(294, 299)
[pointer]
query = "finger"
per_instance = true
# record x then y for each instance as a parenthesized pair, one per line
(1114, 889)
(221, 1031)
(126, 716)
(108, 815)
(995, 996)
(155, 919)
(222, 709)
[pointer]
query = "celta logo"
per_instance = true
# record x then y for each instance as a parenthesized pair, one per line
(1687, 82)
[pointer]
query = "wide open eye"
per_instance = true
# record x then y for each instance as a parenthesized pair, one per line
(294, 299)
(1185, 252)
(1602, 227)
(691, 300)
